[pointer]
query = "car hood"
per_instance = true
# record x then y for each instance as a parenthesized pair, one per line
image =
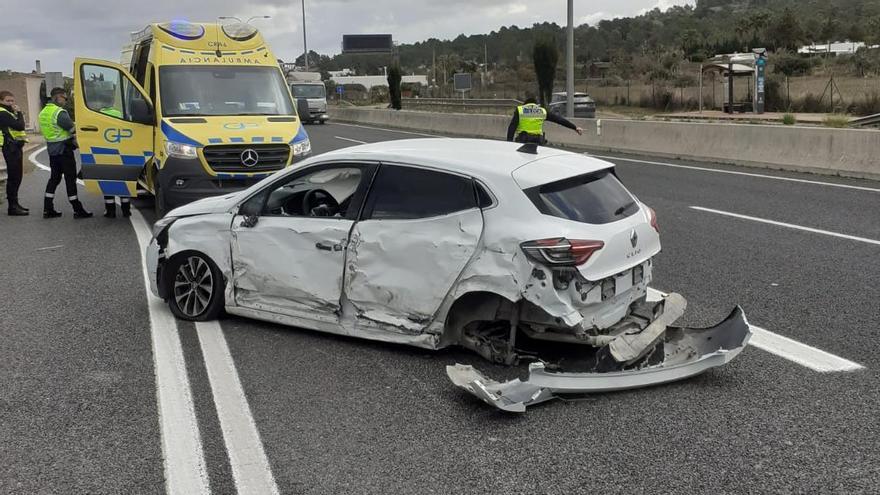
(215, 204)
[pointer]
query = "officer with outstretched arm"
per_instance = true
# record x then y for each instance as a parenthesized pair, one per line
(527, 123)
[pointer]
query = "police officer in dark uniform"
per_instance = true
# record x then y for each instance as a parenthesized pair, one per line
(57, 128)
(12, 140)
(527, 123)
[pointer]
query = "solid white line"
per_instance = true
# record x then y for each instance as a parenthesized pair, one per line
(789, 225)
(719, 171)
(49, 248)
(786, 348)
(250, 467)
(182, 453)
(802, 354)
(350, 139)
(184, 459)
(388, 130)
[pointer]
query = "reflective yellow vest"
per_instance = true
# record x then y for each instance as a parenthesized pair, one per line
(113, 112)
(16, 135)
(531, 119)
(49, 124)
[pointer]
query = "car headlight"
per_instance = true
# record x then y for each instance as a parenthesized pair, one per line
(180, 150)
(162, 224)
(301, 148)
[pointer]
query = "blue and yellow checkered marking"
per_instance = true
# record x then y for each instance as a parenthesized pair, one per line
(109, 156)
(114, 188)
(239, 140)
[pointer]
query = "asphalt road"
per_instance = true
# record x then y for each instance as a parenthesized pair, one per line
(78, 407)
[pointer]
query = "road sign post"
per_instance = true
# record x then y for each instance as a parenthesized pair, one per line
(462, 82)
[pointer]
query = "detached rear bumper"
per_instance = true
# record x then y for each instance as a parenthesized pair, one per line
(686, 352)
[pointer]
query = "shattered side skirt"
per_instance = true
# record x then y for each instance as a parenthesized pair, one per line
(687, 352)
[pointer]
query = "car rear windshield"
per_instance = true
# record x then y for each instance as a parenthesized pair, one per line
(595, 198)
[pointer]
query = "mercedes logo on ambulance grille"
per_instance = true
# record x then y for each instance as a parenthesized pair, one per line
(633, 238)
(249, 158)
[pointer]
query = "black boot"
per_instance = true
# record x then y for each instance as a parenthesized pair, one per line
(49, 209)
(17, 211)
(79, 211)
(18, 205)
(110, 210)
(126, 209)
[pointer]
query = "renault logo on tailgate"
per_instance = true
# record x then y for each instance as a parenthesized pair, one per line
(249, 158)
(633, 238)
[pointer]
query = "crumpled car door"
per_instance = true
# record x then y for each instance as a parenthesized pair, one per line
(400, 271)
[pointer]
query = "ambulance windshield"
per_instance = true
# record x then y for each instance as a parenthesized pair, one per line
(223, 90)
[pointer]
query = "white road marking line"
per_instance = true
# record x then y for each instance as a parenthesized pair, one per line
(350, 139)
(388, 130)
(732, 172)
(788, 225)
(802, 354)
(250, 467)
(49, 248)
(185, 471)
(182, 453)
(786, 348)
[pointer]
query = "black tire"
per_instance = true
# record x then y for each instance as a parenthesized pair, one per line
(195, 287)
(159, 198)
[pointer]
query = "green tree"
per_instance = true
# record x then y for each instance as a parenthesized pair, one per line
(545, 56)
(394, 78)
(786, 30)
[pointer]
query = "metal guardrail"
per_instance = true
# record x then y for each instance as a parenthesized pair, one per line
(870, 120)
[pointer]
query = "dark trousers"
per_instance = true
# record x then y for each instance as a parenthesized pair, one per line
(14, 156)
(63, 165)
(530, 138)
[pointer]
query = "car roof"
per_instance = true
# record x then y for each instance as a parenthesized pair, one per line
(576, 94)
(481, 158)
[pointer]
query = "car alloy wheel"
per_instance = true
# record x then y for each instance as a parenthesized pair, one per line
(193, 286)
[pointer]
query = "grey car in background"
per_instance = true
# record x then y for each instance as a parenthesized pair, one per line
(584, 105)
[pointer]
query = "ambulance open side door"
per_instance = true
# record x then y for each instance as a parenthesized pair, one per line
(115, 122)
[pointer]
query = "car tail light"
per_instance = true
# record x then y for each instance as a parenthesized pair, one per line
(561, 251)
(654, 223)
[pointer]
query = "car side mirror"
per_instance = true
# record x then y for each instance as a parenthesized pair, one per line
(141, 112)
(250, 210)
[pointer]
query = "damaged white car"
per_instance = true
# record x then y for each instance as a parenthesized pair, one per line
(517, 253)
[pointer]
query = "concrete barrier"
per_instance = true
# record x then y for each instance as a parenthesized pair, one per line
(844, 152)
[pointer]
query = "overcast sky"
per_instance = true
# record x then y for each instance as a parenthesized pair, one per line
(56, 31)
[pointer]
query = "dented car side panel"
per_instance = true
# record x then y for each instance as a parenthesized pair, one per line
(398, 272)
(278, 267)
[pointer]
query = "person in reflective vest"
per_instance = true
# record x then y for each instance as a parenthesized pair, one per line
(12, 140)
(527, 123)
(110, 201)
(57, 127)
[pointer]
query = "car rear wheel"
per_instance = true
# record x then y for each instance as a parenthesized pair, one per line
(196, 288)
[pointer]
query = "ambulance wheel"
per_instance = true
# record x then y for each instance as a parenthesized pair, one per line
(195, 287)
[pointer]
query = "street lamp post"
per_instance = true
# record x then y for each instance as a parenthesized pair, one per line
(569, 62)
(305, 44)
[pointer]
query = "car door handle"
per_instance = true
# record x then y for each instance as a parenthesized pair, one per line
(328, 246)
(89, 128)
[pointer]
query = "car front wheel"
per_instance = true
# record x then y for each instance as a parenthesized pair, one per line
(196, 288)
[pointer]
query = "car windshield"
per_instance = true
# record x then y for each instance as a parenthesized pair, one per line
(230, 90)
(596, 198)
(308, 90)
